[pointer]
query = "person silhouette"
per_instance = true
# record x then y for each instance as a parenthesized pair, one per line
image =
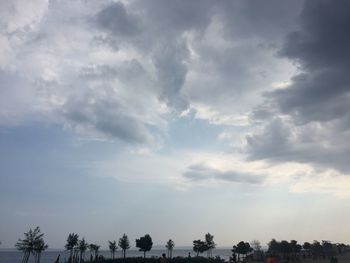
(58, 259)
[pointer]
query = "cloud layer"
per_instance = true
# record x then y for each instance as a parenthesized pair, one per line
(271, 77)
(310, 120)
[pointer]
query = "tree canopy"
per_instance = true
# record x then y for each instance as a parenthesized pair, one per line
(124, 244)
(33, 243)
(170, 246)
(144, 243)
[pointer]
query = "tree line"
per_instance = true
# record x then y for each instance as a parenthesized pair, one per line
(33, 244)
(292, 250)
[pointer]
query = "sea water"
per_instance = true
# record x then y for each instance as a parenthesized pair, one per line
(49, 256)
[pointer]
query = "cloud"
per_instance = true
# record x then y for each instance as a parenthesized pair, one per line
(201, 172)
(21, 16)
(320, 47)
(325, 182)
(154, 58)
(115, 19)
(280, 140)
(307, 121)
(106, 115)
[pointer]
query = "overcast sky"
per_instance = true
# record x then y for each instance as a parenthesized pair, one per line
(175, 118)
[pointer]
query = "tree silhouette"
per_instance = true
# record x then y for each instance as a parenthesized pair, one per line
(199, 246)
(256, 245)
(285, 248)
(170, 246)
(274, 247)
(39, 247)
(307, 248)
(94, 249)
(243, 248)
(295, 248)
(124, 244)
(33, 243)
(234, 253)
(71, 243)
(316, 249)
(209, 242)
(327, 248)
(144, 244)
(112, 245)
(82, 247)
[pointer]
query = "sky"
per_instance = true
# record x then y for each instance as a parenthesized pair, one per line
(175, 118)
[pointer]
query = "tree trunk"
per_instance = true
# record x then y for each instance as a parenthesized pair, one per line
(24, 257)
(144, 254)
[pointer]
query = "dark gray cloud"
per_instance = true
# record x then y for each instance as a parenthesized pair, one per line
(169, 34)
(201, 172)
(321, 47)
(269, 20)
(281, 141)
(315, 107)
(322, 40)
(117, 20)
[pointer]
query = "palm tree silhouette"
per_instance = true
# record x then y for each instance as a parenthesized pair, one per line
(39, 247)
(94, 249)
(170, 246)
(72, 242)
(82, 247)
(210, 245)
(33, 243)
(112, 247)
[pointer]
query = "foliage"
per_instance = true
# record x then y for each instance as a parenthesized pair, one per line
(112, 245)
(256, 245)
(307, 246)
(94, 249)
(170, 246)
(82, 246)
(124, 244)
(209, 243)
(274, 247)
(292, 249)
(199, 246)
(242, 248)
(173, 260)
(144, 244)
(33, 243)
(72, 241)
